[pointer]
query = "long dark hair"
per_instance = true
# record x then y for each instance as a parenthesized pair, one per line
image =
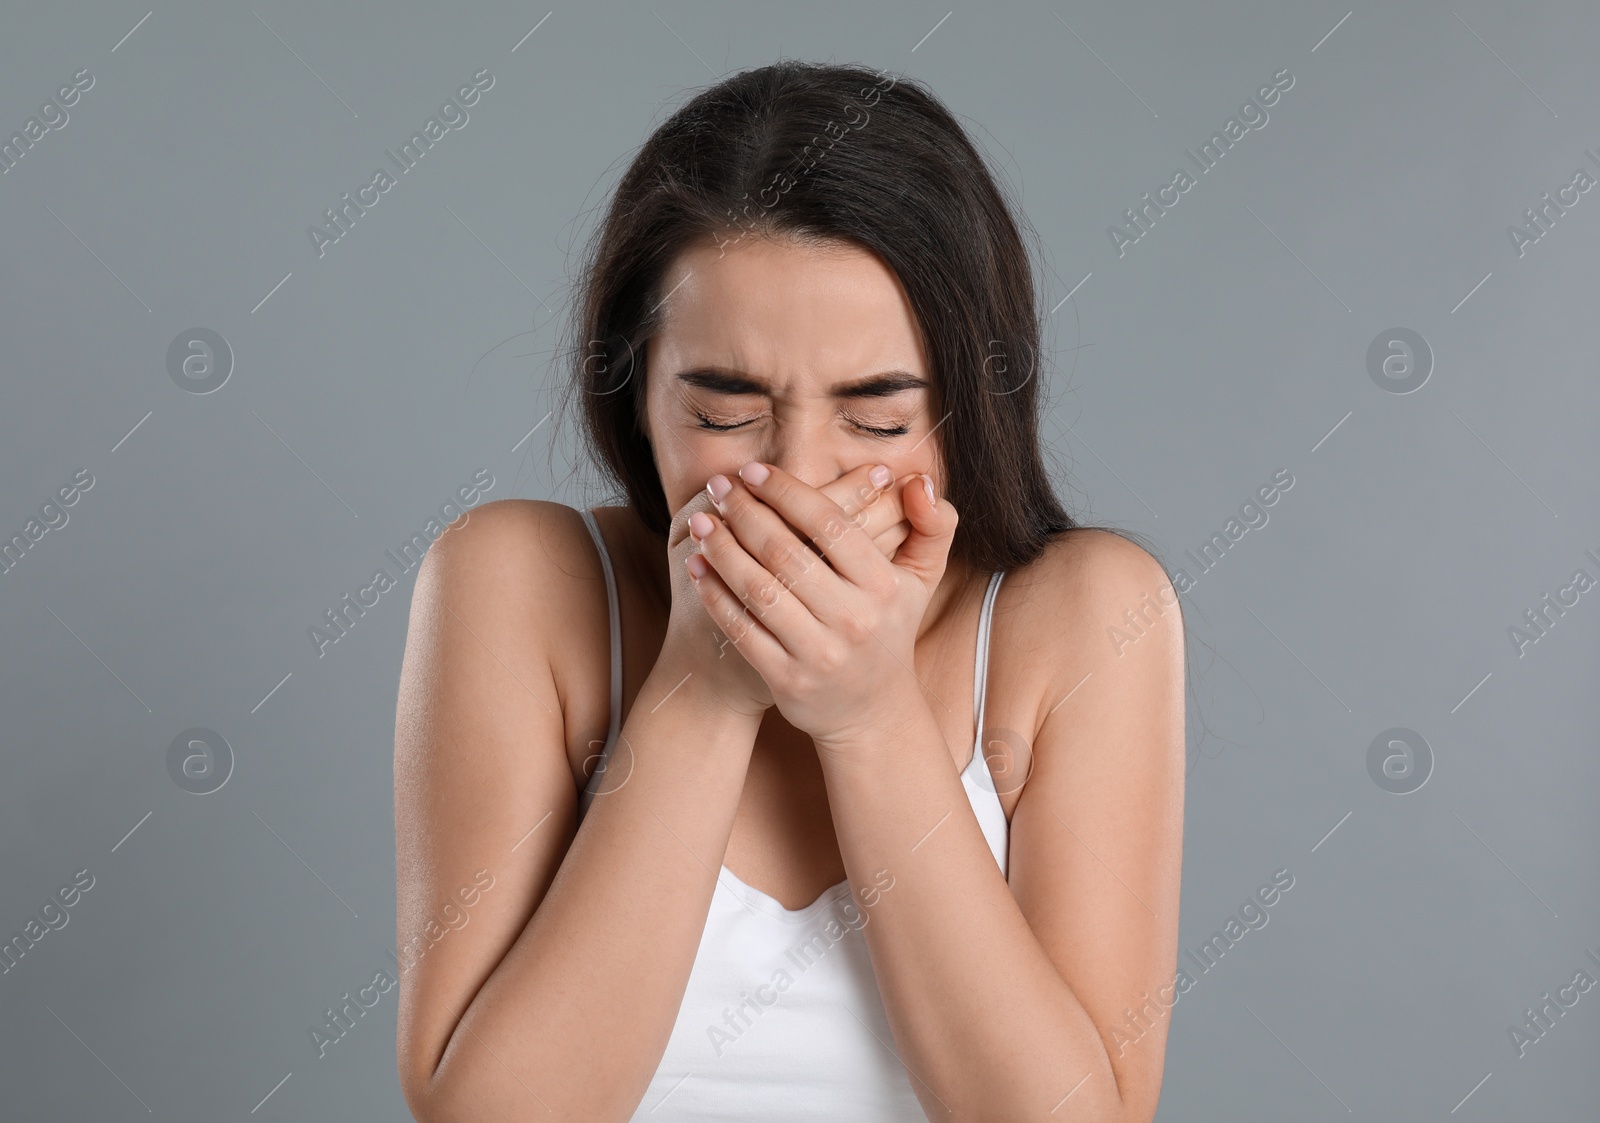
(834, 152)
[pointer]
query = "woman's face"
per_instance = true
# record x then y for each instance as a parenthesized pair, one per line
(802, 356)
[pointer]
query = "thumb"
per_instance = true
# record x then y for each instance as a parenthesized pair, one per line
(933, 527)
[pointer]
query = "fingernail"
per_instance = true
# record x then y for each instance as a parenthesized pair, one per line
(700, 524)
(755, 473)
(719, 486)
(927, 486)
(880, 476)
(696, 565)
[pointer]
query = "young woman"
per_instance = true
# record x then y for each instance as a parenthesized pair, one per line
(837, 773)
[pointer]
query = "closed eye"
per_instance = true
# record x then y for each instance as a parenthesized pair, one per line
(707, 423)
(892, 431)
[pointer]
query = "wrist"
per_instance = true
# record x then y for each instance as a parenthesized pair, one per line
(892, 723)
(681, 693)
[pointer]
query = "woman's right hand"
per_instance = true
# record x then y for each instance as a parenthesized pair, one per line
(880, 513)
(694, 644)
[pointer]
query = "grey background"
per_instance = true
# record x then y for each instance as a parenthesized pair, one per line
(374, 381)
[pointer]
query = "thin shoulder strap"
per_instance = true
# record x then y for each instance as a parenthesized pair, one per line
(980, 673)
(616, 658)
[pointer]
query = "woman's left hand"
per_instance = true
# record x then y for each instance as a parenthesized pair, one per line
(834, 640)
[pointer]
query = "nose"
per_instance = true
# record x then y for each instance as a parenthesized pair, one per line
(805, 454)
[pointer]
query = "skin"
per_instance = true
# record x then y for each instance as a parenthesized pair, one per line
(804, 357)
(797, 690)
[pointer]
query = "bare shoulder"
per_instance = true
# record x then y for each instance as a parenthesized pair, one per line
(1096, 840)
(1090, 599)
(516, 585)
(483, 750)
(1087, 576)
(514, 544)
(1088, 562)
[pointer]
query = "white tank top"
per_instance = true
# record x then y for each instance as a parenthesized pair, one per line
(782, 1020)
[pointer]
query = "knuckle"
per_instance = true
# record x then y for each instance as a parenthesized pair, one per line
(767, 550)
(794, 562)
(855, 630)
(831, 529)
(793, 576)
(737, 502)
(861, 497)
(784, 557)
(765, 594)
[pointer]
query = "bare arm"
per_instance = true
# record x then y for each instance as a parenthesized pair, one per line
(1009, 998)
(559, 993)
(559, 984)
(1039, 1023)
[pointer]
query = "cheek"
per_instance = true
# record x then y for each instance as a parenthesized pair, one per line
(924, 458)
(675, 453)
(687, 459)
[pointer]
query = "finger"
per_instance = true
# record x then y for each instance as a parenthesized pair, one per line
(759, 646)
(871, 507)
(818, 518)
(761, 593)
(678, 531)
(889, 541)
(778, 548)
(933, 526)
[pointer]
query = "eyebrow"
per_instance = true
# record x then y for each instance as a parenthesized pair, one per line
(727, 380)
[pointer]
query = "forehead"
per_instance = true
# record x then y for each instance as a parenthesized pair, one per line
(782, 308)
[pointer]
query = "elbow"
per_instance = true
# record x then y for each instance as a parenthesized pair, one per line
(419, 1096)
(1136, 1108)
(422, 1087)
